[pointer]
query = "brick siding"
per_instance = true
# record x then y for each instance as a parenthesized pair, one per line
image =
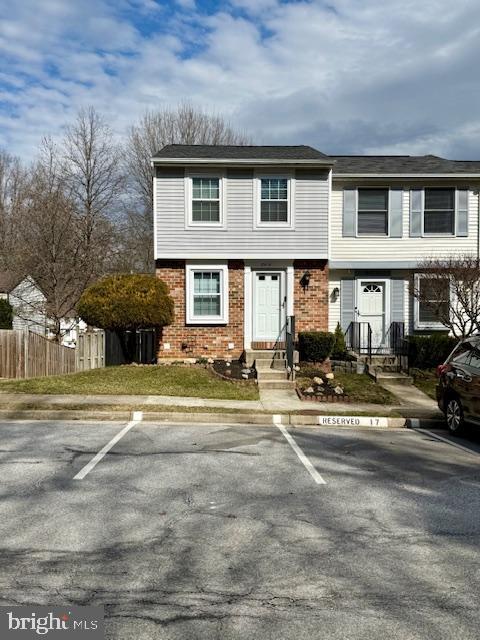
(207, 341)
(311, 304)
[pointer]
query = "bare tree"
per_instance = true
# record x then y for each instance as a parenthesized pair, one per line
(92, 170)
(182, 125)
(448, 291)
(13, 194)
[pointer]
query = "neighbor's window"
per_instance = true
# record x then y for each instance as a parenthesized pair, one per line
(274, 200)
(372, 212)
(439, 211)
(207, 295)
(429, 307)
(206, 200)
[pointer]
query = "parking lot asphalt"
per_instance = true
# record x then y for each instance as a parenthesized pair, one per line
(198, 531)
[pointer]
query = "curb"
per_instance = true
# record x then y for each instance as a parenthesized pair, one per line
(293, 420)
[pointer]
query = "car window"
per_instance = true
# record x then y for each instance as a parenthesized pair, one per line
(474, 360)
(462, 353)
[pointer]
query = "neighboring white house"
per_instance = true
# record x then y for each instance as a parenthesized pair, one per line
(27, 299)
(29, 305)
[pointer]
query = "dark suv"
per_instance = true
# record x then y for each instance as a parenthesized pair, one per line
(458, 388)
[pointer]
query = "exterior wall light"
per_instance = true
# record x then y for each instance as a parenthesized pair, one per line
(305, 280)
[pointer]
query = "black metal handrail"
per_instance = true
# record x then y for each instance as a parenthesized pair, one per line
(358, 338)
(290, 345)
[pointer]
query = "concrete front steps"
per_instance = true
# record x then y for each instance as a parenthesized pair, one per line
(385, 369)
(271, 368)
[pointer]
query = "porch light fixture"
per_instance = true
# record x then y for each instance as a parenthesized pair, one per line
(335, 294)
(305, 280)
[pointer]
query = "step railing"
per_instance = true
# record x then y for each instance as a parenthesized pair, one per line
(290, 346)
(358, 338)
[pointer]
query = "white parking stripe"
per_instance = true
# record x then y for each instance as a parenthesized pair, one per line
(137, 417)
(442, 439)
(277, 421)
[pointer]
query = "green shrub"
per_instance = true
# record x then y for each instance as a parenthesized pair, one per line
(427, 352)
(315, 346)
(6, 314)
(339, 348)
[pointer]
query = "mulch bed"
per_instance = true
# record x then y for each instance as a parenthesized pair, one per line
(323, 398)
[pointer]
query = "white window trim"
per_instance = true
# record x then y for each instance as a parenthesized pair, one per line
(257, 194)
(423, 326)
(190, 269)
(373, 235)
(222, 187)
(455, 207)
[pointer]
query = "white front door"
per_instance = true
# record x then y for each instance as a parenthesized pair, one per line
(267, 305)
(371, 308)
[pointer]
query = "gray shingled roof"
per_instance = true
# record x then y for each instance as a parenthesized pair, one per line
(9, 280)
(402, 164)
(236, 152)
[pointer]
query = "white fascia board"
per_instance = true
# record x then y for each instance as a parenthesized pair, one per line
(218, 255)
(421, 176)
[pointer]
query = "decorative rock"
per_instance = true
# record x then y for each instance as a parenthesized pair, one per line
(227, 364)
(228, 372)
(339, 391)
(330, 376)
(210, 361)
(247, 372)
(317, 380)
(296, 367)
(309, 390)
(245, 376)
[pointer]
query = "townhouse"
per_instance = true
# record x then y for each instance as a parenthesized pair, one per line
(248, 237)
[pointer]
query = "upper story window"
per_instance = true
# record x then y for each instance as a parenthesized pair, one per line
(205, 200)
(372, 212)
(439, 211)
(274, 201)
(204, 195)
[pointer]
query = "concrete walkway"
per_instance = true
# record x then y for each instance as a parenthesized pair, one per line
(410, 396)
(274, 401)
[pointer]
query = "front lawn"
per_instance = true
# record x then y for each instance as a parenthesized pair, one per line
(359, 387)
(162, 380)
(426, 380)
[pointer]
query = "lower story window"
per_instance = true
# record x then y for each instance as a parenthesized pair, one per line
(433, 302)
(207, 294)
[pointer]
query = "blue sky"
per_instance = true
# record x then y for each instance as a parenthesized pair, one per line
(347, 76)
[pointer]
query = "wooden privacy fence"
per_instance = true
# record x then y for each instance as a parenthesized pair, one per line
(90, 350)
(24, 354)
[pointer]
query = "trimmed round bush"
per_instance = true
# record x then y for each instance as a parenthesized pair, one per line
(122, 302)
(315, 346)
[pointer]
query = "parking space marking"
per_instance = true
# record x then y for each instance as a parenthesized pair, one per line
(442, 439)
(277, 421)
(137, 418)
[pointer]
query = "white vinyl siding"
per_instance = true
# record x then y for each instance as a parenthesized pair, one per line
(370, 249)
(240, 238)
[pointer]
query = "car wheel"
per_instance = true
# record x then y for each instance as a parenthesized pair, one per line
(454, 416)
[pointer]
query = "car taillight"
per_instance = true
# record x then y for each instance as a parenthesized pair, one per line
(441, 369)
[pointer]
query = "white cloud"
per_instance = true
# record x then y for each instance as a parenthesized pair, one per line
(341, 75)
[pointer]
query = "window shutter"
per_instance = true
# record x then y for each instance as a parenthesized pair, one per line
(347, 302)
(395, 213)
(416, 212)
(461, 213)
(397, 300)
(349, 212)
